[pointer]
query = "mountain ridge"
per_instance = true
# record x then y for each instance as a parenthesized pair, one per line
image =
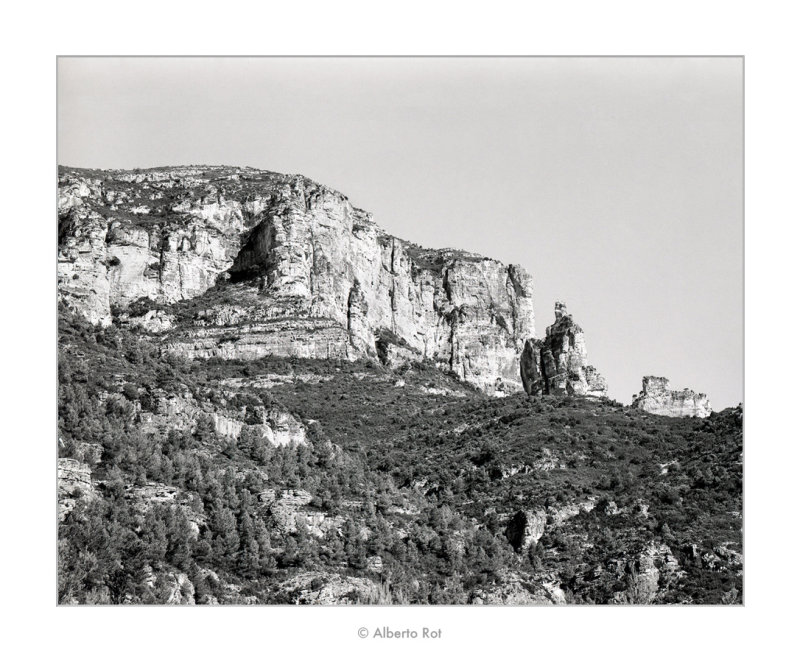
(265, 398)
(173, 234)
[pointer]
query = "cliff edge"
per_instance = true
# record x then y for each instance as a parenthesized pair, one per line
(243, 263)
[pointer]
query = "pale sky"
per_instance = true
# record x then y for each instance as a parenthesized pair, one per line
(617, 182)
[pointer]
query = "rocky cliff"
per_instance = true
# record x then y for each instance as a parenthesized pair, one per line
(244, 263)
(657, 398)
(557, 364)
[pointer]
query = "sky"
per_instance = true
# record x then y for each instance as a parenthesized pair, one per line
(616, 182)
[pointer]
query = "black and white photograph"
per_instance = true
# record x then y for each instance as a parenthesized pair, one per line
(400, 331)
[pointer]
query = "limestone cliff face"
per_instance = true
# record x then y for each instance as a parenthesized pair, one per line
(165, 235)
(657, 398)
(281, 265)
(557, 364)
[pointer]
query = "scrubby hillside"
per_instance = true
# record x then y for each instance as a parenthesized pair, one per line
(275, 480)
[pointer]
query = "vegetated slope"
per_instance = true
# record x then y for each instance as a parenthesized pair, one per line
(326, 481)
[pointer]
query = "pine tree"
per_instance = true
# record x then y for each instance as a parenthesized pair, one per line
(266, 554)
(249, 557)
(226, 538)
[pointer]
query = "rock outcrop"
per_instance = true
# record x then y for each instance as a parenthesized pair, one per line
(657, 398)
(289, 509)
(649, 575)
(290, 265)
(526, 527)
(325, 588)
(171, 588)
(274, 425)
(74, 483)
(513, 589)
(557, 364)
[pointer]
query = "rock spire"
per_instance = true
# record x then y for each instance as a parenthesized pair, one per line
(557, 364)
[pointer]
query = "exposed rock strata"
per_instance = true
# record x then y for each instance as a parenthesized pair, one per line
(649, 575)
(289, 509)
(165, 235)
(325, 588)
(323, 280)
(74, 483)
(657, 398)
(513, 589)
(557, 364)
(275, 425)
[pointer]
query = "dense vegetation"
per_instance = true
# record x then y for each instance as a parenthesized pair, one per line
(411, 466)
